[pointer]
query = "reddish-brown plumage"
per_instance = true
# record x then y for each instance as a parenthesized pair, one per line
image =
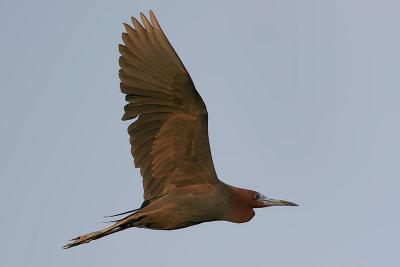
(241, 205)
(169, 142)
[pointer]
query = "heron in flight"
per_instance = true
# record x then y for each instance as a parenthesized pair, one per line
(169, 142)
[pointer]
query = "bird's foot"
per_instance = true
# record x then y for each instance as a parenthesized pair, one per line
(81, 239)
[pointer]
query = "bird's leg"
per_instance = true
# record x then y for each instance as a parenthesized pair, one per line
(91, 236)
(119, 226)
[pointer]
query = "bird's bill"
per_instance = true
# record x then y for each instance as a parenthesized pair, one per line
(278, 202)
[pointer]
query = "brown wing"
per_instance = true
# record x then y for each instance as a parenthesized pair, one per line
(169, 139)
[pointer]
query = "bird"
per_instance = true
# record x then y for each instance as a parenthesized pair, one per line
(169, 142)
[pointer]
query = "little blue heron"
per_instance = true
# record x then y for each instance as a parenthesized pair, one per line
(169, 142)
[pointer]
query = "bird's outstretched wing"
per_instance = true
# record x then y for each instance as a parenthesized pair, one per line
(169, 138)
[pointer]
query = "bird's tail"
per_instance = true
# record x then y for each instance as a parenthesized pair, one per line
(118, 226)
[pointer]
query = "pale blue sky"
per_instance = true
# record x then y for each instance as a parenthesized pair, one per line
(303, 100)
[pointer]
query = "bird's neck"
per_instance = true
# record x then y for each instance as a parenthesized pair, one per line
(240, 205)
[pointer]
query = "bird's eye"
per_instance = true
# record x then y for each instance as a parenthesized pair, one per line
(257, 196)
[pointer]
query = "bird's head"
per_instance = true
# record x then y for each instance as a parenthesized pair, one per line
(243, 201)
(261, 201)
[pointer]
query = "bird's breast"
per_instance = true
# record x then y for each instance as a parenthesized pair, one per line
(186, 206)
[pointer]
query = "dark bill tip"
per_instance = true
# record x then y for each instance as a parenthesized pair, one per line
(278, 202)
(287, 203)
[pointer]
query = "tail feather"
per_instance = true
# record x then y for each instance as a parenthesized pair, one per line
(144, 204)
(123, 213)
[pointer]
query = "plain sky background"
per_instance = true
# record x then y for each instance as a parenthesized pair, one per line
(303, 100)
